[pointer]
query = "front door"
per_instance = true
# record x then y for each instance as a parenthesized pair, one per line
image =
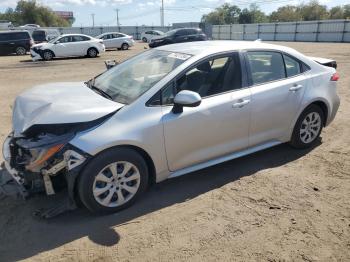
(219, 125)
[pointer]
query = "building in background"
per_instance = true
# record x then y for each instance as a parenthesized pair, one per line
(67, 15)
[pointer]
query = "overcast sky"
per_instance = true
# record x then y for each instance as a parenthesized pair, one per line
(138, 12)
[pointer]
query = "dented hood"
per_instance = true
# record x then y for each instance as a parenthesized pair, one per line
(59, 103)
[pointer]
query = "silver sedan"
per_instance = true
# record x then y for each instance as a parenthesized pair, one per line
(164, 113)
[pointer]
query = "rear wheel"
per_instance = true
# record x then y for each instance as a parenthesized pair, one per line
(125, 46)
(48, 55)
(92, 52)
(113, 180)
(20, 50)
(308, 127)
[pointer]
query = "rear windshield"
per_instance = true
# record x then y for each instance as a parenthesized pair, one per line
(39, 35)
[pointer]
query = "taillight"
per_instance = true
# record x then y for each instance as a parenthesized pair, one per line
(335, 77)
(31, 42)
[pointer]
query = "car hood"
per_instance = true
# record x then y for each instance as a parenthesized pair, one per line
(59, 103)
(42, 45)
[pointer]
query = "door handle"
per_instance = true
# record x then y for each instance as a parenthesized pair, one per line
(241, 103)
(295, 87)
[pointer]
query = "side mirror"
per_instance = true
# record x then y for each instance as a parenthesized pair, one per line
(110, 63)
(186, 98)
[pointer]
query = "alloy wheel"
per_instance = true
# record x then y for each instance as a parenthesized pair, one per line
(310, 127)
(116, 184)
(20, 50)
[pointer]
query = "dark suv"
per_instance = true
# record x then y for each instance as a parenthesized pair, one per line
(179, 36)
(18, 42)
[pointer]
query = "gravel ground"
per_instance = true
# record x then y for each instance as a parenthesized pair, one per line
(280, 204)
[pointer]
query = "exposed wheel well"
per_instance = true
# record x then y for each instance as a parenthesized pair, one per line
(324, 108)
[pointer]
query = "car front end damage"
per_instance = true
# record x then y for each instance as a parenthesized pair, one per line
(41, 163)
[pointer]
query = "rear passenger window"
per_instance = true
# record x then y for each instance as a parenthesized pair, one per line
(265, 66)
(292, 66)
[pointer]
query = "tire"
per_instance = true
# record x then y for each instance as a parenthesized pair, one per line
(48, 55)
(144, 39)
(308, 127)
(92, 52)
(125, 46)
(101, 192)
(20, 50)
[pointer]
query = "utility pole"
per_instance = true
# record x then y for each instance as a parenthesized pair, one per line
(117, 10)
(162, 14)
(93, 20)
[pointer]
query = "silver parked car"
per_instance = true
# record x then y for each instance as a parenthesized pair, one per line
(164, 113)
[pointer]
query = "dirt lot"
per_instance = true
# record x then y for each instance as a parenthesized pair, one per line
(277, 205)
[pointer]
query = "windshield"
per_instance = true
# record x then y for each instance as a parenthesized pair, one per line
(54, 39)
(126, 82)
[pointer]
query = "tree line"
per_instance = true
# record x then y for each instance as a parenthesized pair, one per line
(232, 14)
(30, 12)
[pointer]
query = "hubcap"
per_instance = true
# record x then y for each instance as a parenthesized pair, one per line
(47, 55)
(21, 51)
(310, 127)
(92, 52)
(116, 184)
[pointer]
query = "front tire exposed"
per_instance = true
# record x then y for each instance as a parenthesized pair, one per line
(48, 55)
(308, 127)
(113, 180)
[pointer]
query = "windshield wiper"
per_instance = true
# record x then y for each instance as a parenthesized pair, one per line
(90, 84)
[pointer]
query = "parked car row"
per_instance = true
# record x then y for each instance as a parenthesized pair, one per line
(48, 43)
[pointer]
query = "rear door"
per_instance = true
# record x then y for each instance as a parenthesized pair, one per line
(80, 45)
(277, 87)
(5, 43)
(219, 125)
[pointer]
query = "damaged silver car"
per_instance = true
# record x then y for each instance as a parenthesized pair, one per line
(164, 113)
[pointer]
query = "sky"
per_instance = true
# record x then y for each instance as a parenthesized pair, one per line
(138, 12)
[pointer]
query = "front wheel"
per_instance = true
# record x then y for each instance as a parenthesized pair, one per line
(308, 127)
(47, 55)
(92, 52)
(125, 46)
(113, 180)
(144, 39)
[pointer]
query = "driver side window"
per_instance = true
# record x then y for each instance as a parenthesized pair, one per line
(208, 78)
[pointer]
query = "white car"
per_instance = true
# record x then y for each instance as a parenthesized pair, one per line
(30, 25)
(147, 36)
(117, 40)
(66, 46)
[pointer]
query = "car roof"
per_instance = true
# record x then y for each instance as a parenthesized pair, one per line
(113, 33)
(216, 46)
(75, 34)
(14, 31)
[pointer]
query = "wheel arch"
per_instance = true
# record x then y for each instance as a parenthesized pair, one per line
(146, 156)
(317, 101)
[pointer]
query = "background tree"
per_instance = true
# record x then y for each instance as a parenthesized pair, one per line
(286, 13)
(29, 12)
(313, 11)
(252, 15)
(225, 14)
